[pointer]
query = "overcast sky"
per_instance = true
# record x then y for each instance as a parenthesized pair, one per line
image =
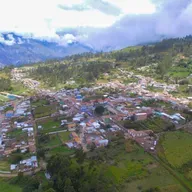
(98, 23)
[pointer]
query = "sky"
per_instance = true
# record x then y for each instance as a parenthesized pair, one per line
(97, 23)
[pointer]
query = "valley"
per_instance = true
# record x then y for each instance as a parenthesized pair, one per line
(115, 124)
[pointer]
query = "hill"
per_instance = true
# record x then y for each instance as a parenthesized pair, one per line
(168, 61)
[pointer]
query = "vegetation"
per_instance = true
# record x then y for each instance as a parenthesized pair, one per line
(5, 186)
(155, 124)
(176, 148)
(99, 110)
(62, 73)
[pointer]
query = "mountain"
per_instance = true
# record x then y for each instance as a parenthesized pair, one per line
(17, 50)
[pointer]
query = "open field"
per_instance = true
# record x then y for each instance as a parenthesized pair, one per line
(176, 148)
(43, 111)
(50, 125)
(4, 166)
(39, 103)
(65, 136)
(52, 141)
(158, 177)
(61, 150)
(133, 169)
(155, 124)
(6, 187)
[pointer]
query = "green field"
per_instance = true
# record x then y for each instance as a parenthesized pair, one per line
(176, 148)
(53, 141)
(50, 125)
(155, 124)
(16, 133)
(6, 187)
(19, 89)
(4, 166)
(159, 177)
(39, 102)
(43, 111)
(133, 169)
(61, 150)
(65, 136)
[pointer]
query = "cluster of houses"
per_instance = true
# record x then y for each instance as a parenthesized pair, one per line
(17, 132)
(25, 165)
(88, 129)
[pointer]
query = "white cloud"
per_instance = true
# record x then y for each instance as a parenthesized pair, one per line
(134, 6)
(9, 41)
(42, 18)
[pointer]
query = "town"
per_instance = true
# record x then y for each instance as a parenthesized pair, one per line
(87, 118)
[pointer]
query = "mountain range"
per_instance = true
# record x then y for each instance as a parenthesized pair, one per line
(17, 50)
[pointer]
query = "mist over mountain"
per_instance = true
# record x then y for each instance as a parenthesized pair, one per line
(16, 50)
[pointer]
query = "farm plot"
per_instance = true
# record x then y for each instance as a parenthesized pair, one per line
(65, 136)
(176, 147)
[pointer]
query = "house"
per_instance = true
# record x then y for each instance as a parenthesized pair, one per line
(102, 143)
(30, 129)
(75, 137)
(13, 167)
(96, 125)
(134, 133)
(71, 126)
(9, 114)
(140, 116)
(69, 144)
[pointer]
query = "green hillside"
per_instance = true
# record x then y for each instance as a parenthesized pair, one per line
(168, 61)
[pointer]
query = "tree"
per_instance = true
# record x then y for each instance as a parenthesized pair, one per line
(68, 186)
(99, 110)
(80, 155)
(50, 190)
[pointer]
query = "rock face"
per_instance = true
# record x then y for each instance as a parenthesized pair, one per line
(19, 50)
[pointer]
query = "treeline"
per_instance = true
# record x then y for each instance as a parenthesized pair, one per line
(5, 79)
(5, 84)
(83, 73)
(67, 175)
(71, 176)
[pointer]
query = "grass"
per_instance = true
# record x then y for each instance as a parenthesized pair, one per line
(176, 148)
(6, 187)
(43, 111)
(3, 98)
(4, 166)
(133, 169)
(155, 124)
(19, 89)
(16, 133)
(61, 150)
(65, 136)
(54, 141)
(158, 177)
(50, 125)
(39, 103)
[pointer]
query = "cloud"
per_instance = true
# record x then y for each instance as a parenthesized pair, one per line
(172, 19)
(104, 7)
(98, 23)
(100, 5)
(8, 41)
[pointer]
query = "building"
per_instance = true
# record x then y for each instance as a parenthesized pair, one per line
(140, 116)
(71, 126)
